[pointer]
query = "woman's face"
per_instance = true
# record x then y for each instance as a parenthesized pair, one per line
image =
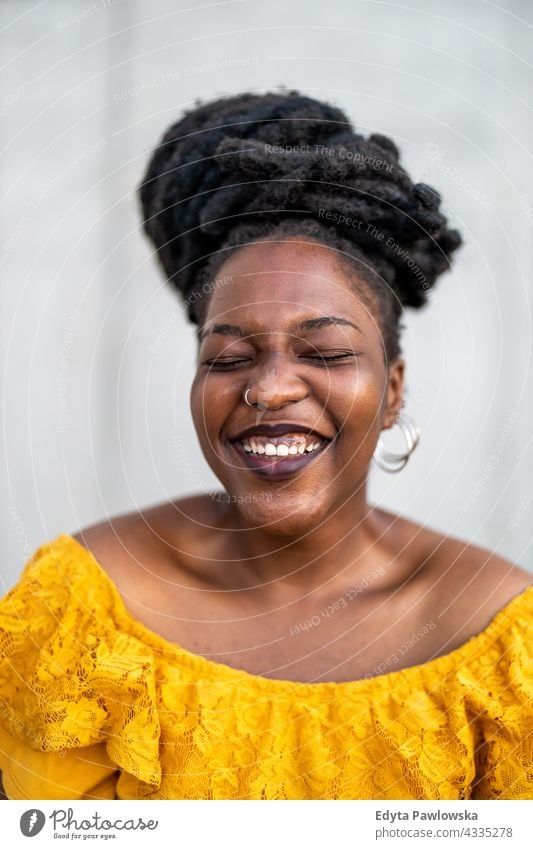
(285, 322)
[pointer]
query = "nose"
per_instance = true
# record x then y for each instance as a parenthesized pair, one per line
(276, 387)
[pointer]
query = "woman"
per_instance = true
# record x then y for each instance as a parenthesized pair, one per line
(284, 639)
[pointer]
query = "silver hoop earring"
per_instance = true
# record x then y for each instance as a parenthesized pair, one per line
(387, 460)
(246, 401)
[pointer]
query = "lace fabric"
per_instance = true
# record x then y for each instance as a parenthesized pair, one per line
(95, 705)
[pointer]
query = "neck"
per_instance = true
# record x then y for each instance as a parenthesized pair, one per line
(341, 549)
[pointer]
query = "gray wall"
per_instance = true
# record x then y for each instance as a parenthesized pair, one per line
(97, 358)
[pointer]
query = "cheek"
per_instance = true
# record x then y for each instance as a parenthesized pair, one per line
(199, 407)
(210, 403)
(356, 400)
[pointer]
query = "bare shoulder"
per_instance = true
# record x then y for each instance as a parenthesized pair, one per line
(164, 533)
(471, 584)
(458, 585)
(469, 567)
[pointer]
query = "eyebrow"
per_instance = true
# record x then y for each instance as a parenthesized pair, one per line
(302, 327)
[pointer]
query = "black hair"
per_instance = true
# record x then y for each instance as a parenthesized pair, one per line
(251, 167)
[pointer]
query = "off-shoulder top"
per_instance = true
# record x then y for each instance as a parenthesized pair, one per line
(93, 704)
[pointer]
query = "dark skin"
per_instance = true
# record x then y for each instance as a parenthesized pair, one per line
(233, 580)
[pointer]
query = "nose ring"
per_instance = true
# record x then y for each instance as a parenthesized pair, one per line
(246, 401)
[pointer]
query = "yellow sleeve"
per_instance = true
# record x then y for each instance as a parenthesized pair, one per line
(85, 773)
(69, 677)
(503, 710)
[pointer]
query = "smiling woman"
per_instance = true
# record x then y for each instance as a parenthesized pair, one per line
(318, 381)
(286, 639)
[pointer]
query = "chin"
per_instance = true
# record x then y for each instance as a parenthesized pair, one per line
(276, 511)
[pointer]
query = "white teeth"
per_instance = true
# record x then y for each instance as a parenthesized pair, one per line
(279, 449)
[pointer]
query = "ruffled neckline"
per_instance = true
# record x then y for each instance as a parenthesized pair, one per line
(212, 669)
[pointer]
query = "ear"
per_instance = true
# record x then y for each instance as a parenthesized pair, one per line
(394, 400)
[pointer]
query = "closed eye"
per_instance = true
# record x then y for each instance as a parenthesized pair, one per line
(223, 364)
(329, 358)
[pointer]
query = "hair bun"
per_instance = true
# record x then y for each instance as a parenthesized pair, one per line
(385, 144)
(275, 159)
(427, 196)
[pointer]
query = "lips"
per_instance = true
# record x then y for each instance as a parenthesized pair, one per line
(276, 468)
(278, 429)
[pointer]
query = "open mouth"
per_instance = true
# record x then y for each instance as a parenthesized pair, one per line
(276, 457)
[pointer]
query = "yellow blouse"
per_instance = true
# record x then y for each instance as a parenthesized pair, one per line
(95, 705)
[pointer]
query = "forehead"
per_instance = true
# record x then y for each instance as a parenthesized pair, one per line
(295, 274)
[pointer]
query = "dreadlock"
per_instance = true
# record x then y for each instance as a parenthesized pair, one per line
(245, 168)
